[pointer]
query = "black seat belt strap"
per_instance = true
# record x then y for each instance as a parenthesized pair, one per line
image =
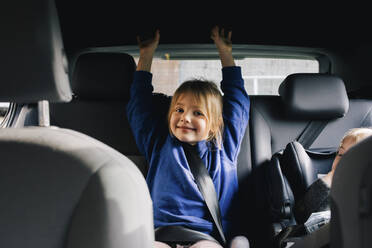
(311, 132)
(205, 185)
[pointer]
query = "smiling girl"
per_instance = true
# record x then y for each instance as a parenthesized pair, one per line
(199, 116)
(195, 113)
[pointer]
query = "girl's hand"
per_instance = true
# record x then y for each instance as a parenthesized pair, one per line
(224, 46)
(148, 47)
(222, 40)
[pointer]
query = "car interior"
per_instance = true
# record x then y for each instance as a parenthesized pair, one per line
(71, 172)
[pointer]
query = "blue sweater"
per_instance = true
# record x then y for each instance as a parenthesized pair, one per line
(175, 195)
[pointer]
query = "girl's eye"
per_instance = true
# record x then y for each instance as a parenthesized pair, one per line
(339, 154)
(179, 110)
(198, 113)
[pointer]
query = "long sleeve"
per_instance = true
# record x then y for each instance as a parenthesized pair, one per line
(176, 197)
(236, 106)
(144, 118)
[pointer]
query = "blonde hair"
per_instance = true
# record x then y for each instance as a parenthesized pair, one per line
(356, 134)
(207, 94)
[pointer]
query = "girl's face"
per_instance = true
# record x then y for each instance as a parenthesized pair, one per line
(188, 121)
(346, 144)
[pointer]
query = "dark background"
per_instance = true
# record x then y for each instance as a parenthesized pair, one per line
(113, 23)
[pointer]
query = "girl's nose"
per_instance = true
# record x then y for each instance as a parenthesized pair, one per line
(185, 117)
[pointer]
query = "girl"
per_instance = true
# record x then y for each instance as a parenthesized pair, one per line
(198, 116)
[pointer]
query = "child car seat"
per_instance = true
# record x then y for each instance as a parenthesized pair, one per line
(290, 174)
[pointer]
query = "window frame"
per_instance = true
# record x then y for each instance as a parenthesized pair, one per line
(209, 51)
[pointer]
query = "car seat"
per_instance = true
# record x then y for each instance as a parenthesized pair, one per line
(100, 83)
(316, 99)
(292, 172)
(275, 121)
(58, 187)
(350, 224)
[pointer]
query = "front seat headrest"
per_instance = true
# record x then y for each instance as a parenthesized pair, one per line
(351, 197)
(314, 96)
(34, 64)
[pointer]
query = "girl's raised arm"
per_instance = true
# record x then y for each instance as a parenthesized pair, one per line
(147, 50)
(143, 117)
(235, 99)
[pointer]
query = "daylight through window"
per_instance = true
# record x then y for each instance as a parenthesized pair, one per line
(262, 76)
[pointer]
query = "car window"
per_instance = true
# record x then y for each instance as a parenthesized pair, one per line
(262, 76)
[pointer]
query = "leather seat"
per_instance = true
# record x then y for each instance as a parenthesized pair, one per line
(289, 175)
(100, 85)
(276, 121)
(350, 224)
(58, 187)
(310, 97)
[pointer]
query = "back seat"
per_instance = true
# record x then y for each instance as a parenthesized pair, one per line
(277, 120)
(100, 83)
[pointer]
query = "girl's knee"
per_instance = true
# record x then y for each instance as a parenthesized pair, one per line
(206, 244)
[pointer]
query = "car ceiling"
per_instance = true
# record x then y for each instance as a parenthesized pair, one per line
(96, 24)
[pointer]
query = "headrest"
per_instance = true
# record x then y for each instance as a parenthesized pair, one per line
(351, 197)
(34, 65)
(314, 96)
(302, 167)
(103, 76)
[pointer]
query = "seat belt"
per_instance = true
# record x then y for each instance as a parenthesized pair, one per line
(205, 185)
(311, 132)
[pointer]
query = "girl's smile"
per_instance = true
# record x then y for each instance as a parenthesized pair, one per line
(188, 121)
(185, 128)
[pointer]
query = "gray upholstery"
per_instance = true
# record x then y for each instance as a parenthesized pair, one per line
(60, 188)
(105, 121)
(34, 65)
(101, 82)
(351, 223)
(314, 96)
